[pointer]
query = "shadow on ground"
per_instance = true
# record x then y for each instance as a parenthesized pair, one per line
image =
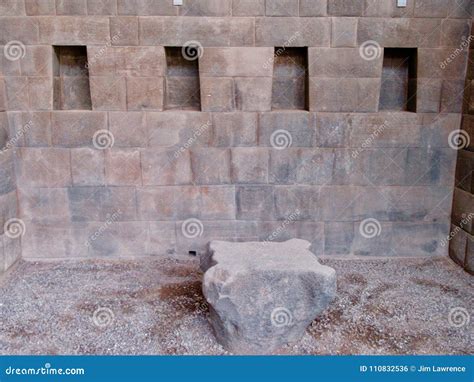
(155, 306)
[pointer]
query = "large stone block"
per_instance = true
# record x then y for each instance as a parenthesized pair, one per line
(100, 203)
(344, 32)
(387, 8)
(76, 128)
(218, 203)
(143, 61)
(313, 7)
(24, 29)
(146, 8)
(87, 167)
(209, 31)
(253, 94)
(217, 94)
(166, 167)
(31, 129)
(432, 8)
(255, 202)
(123, 167)
(249, 165)
(52, 241)
(344, 95)
(263, 315)
(248, 7)
(304, 201)
(71, 7)
(463, 210)
(128, 128)
(169, 203)
(74, 30)
(180, 129)
(236, 62)
(283, 166)
(124, 30)
(210, 165)
(345, 8)
(234, 129)
(7, 172)
(315, 166)
(285, 129)
(145, 93)
(44, 167)
(38, 62)
(117, 239)
(12, 8)
(102, 7)
(281, 8)
(44, 205)
(40, 7)
(108, 93)
(338, 237)
(332, 130)
(292, 31)
(342, 63)
(206, 8)
(454, 32)
(16, 92)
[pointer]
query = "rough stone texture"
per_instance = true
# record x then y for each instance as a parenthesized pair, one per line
(158, 308)
(251, 288)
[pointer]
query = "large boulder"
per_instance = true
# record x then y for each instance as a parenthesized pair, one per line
(263, 295)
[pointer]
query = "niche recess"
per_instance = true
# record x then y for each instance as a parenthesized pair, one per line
(290, 79)
(182, 90)
(398, 90)
(71, 78)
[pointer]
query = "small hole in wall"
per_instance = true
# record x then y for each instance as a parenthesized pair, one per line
(290, 79)
(398, 89)
(192, 253)
(182, 90)
(71, 78)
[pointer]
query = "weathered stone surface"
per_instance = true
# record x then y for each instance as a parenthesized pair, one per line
(264, 295)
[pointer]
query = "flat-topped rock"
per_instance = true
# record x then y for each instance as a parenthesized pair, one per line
(263, 295)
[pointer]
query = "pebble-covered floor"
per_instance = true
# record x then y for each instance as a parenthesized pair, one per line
(155, 306)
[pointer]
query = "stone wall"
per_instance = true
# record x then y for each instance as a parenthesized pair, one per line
(10, 227)
(236, 169)
(461, 244)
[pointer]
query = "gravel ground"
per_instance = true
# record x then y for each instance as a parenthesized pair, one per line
(155, 306)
